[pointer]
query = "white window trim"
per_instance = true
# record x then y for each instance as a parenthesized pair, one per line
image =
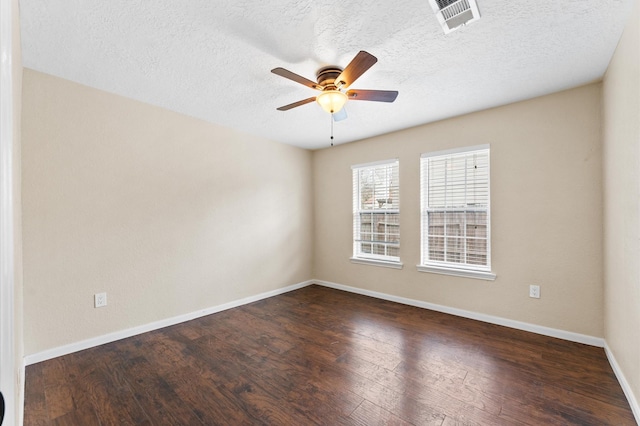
(458, 150)
(372, 259)
(374, 262)
(375, 163)
(466, 271)
(9, 373)
(489, 276)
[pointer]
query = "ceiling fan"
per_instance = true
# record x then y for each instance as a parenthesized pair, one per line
(333, 82)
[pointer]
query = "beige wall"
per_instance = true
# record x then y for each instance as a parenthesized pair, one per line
(165, 213)
(546, 199)
(621, 96)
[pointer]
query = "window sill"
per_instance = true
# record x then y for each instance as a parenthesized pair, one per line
(384, 264)
(489, 276)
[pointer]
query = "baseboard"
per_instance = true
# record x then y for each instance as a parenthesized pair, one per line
(118, 335)
(538, 329)
(626, 388)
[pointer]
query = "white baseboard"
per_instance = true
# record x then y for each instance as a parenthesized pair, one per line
(538, 329)
(626, 388)
(118, 335)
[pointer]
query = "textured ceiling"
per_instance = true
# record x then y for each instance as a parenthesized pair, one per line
(212, 59)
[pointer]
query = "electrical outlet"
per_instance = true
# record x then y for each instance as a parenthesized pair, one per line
(534, 291)
(100, 300)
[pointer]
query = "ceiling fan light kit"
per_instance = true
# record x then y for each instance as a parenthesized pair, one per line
(331, 101)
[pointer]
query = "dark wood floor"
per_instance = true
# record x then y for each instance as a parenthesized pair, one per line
(322, 356)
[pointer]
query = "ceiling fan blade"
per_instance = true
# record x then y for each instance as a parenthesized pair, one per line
(296, 104)
(340, 115)
(372, 95)
(358, 65)
(297, 78)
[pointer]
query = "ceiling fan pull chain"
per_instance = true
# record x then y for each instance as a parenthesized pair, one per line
(331, 128)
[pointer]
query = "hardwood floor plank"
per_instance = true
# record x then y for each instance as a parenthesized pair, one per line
(77, 368)
(318, 356)
(301, 386)
(151, 390)
(57, 389)
(35, 394)
(75, 418)
(554, 405)
(108, 390)
(369, 414)
(210, 405)
(228, 369)
(192, 383)
(425, 412)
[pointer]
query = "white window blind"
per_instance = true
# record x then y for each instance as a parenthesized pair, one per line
(455, 206)
(376, 211)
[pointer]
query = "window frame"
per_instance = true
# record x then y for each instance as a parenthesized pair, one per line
(371, 258)
(446, 267)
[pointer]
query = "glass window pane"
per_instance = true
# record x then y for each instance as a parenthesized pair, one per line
(476, 224)
(436, 248)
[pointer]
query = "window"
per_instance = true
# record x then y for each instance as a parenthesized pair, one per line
(455, 209)
(376, 214)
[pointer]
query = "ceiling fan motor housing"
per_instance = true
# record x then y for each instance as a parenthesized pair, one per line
(327, 76)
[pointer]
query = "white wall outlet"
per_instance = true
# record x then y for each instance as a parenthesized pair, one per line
(534, 291)
(100, 300)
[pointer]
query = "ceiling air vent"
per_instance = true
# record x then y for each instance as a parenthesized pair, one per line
(453, 13)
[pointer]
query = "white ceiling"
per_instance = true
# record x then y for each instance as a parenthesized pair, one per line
(212, 59)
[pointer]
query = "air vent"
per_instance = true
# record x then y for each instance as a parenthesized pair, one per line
(454, 13)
